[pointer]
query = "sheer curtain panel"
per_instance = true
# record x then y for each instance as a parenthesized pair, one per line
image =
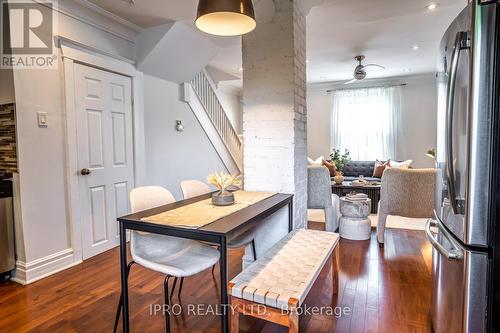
(365, 121)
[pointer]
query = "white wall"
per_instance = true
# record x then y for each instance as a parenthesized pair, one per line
(230, 99)
(319, 107)
(173, 156)
(174, 51)
(417, 131)
(44, 217)
(102, 32)
(41, 163)
(6, 86)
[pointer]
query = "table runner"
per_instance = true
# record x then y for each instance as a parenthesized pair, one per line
(201, 213)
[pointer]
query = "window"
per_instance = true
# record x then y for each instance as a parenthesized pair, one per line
(364, 121)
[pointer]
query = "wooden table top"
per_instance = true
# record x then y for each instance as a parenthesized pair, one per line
(233, 223)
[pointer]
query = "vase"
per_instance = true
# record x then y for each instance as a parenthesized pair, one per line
(338, 179)
(222, 198)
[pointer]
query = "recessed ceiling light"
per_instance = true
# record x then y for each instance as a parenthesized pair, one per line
(416, 47)
(431, 6)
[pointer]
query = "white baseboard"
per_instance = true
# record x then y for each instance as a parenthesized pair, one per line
(35, 270)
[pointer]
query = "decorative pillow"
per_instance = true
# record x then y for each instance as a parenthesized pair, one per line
(401, 165)
(318, 161)
(379, 168)
(331, 167)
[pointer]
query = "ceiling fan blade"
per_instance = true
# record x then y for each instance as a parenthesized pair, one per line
(351, 81)
(374, 65)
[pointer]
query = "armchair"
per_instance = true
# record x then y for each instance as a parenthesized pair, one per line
(319, 195)
(405, 192)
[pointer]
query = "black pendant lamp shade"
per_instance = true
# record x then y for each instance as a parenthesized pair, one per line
(225, 17)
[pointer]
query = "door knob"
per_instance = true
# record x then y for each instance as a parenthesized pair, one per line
(85, 172)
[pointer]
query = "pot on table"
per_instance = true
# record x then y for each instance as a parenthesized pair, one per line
(223, 198)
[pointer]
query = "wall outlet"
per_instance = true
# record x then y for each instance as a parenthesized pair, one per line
(43, 119)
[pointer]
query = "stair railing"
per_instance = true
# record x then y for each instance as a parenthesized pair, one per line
(208, 98)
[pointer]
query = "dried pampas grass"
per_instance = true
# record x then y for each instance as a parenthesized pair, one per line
(223, 180)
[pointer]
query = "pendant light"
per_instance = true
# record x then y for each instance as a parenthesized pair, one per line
(225, 17)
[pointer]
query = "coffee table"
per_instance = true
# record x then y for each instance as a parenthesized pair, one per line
(373, 192)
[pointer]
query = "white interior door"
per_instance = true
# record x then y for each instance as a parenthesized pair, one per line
(105, 154)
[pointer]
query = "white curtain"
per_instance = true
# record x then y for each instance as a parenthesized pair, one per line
(365, 121)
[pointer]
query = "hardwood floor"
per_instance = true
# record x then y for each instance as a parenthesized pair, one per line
(386, 290)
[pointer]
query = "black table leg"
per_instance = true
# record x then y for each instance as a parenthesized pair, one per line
(223, 285)
(290, 215)
(123, 267)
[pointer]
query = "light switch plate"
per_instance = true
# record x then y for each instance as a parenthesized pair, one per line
(43, 119)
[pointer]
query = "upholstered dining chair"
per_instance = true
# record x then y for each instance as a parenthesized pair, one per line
(320, 196)
(193, 188)
(172, 256)
(405, 192)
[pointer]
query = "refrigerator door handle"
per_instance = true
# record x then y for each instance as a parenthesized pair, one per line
(462, 42)
(455, 254)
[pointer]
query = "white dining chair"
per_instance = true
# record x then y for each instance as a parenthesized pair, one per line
(172, 256)
(193, 188)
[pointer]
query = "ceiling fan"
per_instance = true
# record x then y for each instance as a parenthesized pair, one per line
(359, 71)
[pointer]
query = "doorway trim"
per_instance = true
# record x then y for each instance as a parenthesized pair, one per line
(74, 52)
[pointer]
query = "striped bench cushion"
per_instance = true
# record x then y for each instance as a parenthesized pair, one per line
(283, 276)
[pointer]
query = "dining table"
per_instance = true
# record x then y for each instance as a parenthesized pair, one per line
(217, 232)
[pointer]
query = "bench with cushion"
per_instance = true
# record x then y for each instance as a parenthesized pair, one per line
(275, 286)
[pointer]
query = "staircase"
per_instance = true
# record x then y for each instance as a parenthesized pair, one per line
(202, 98)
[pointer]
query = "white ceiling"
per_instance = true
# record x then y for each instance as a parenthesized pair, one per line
(383, 30)
(148, 13)
(337, 30)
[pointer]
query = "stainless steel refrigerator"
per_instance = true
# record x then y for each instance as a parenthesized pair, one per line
(464, 233)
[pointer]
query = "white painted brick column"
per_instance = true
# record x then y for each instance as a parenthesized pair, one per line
(274, 106)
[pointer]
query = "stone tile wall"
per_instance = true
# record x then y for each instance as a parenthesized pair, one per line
(8, 155)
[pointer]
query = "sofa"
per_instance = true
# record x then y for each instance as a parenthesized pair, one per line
(354, 169)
